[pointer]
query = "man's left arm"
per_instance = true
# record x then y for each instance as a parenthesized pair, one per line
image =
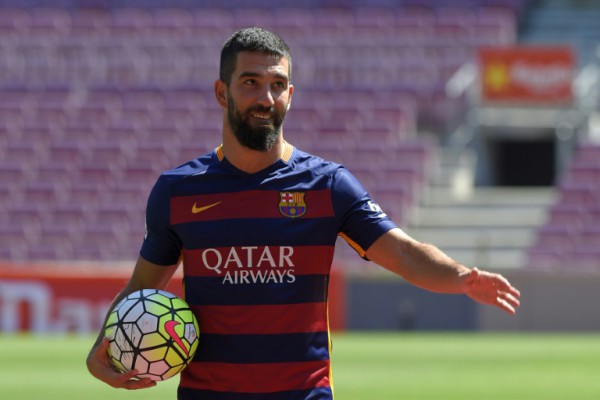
(426, 266)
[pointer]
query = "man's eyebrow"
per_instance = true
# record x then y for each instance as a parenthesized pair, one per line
(282, 76)
(249, 74)
(252, 74)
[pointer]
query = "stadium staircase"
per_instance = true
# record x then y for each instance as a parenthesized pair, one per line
(490, 227)
(552, 228)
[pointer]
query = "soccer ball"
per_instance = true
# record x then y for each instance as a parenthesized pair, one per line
(154, 332)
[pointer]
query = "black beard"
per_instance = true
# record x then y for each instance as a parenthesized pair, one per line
(261, 138)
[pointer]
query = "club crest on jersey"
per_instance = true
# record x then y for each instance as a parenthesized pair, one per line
(291, 204)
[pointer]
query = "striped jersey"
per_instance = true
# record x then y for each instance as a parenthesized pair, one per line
(257, 251)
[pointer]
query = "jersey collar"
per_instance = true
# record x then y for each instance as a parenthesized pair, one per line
(286, 155)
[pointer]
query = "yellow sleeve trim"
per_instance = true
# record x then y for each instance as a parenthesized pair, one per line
(354, 245)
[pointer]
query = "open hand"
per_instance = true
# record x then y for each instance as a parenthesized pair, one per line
(491, 289)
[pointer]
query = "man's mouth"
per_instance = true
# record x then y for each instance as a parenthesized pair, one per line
(261, 116)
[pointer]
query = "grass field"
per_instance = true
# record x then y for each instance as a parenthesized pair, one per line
(367, 366)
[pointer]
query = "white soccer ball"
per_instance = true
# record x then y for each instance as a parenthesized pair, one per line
(154, 332)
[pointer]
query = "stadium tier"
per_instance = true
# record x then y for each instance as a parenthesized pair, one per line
(96, 100)
(571, 237)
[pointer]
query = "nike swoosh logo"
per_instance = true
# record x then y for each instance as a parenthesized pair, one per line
(170, 328)
(196, 209)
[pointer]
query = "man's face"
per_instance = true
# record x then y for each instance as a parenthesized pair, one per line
(257, 99)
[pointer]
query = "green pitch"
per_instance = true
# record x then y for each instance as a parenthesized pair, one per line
(376, 366)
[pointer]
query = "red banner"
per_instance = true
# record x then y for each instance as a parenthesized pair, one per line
(59, 298)
(527, 74)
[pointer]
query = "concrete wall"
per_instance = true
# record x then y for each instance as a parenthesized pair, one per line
(557, 301)
(566, 301)
(394, 305)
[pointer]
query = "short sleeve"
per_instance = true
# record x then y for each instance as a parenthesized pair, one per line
(161, 244)
(362, 221)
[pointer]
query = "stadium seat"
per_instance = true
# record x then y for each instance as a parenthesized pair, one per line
(582, 194)
(571, 216)
(14, 22)
(8, 193)
(584, 258)
(68, 151)
(546, 258)
(586, 152)
(133, 193)
(50, 23)
(26, 213)
(15, 174)
(85, 195)
(394, 201)
(172, 22)
(90, 23)
(131, 22)
(46, 193)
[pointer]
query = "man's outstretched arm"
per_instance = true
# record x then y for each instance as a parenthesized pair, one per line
(427, 267)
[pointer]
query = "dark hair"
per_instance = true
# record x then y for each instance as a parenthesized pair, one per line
(253, 39)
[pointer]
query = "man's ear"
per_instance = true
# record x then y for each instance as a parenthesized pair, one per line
(291, 92)
(221, 93)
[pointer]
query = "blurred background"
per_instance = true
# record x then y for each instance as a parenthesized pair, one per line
(474, 123)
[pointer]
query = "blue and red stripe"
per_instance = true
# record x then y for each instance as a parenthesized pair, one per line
(256, 378)
(262, 319)
(247, 204)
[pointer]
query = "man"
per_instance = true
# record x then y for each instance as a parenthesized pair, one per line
(255, 223)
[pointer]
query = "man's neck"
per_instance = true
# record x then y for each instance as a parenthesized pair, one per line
(248, 160)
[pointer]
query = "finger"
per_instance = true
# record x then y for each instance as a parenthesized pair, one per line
(118, 379)
(104, 343)
(103, 347)
(135, 384)
(514, 292)
(508, 302)
(502, 284)
(127, 376)
(510, 299)
(132, 382)
(128, 380)
(505, 305)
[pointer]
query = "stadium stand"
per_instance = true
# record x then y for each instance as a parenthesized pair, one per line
(92, 91)
(570, 236)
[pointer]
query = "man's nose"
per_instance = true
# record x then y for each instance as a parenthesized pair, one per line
(266, 98)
